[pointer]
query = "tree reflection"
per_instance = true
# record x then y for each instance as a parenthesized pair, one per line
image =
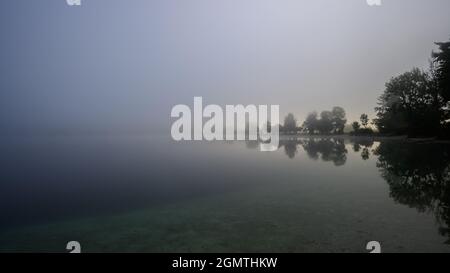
(365, 154)
(364, 142)
(252, 144)
(290, 148)
(327, 149)
(418, 176)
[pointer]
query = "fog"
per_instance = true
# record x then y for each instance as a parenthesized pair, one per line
(116, 65)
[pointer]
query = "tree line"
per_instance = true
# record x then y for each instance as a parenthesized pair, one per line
(415, 103)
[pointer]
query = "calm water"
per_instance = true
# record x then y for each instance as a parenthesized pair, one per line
(150, 194)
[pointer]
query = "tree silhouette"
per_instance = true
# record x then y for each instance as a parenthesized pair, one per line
(442, 61)
(325, 124)
(364, 120)
(417, 103)
(441, 65)
(338, 120)
(290, 123)
(406, 106)
(330, 122)
(356, 126)
(310, 123)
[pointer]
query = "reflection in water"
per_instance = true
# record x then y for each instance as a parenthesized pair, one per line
(327, 149)
(330, 149)
(418, 176)
(206, 199)
(366, 143)
(365, 154)
(290, 147)
(252, 144)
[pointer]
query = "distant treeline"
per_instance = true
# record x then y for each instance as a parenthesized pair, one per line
(415, 103)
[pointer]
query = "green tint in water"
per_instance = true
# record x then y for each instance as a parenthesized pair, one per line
(312, 195)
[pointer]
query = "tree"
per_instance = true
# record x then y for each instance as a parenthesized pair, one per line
(325, 125)
(441, 73)
(330, 122)
(310, 124)
(356, 126)
(290, 123)
(364, 120)
(406, 106)
(338, 120)
(442, 62)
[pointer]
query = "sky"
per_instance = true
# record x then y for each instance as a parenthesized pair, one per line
(120, 65)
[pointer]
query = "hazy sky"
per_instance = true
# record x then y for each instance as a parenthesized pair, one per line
(120, 64)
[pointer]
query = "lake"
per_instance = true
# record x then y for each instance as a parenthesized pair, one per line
(151, 194)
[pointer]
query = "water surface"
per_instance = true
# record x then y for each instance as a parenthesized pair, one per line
(151, 194)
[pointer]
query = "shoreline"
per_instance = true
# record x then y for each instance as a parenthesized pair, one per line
(373, 137)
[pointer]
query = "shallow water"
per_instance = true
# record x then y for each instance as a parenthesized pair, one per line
(151, 194)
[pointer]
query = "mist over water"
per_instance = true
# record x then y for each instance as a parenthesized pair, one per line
(326, 194)
(87, 153)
